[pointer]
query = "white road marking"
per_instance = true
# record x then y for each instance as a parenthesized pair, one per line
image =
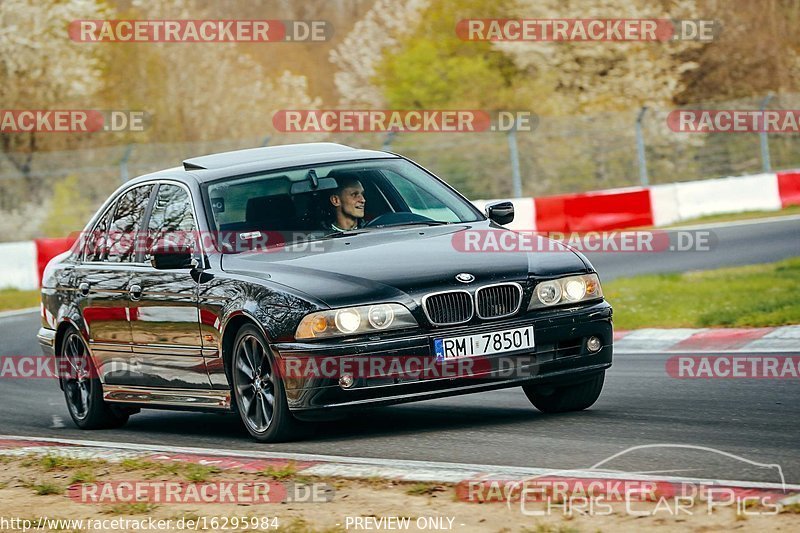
(58, 422)
(19, 312)
(733, 223)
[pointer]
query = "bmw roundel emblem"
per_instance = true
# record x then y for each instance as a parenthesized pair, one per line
(465, 277)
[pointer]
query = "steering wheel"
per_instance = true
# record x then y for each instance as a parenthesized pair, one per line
(391, 219)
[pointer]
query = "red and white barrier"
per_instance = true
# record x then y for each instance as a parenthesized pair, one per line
(658, 205)
(19, 266)
(674, 202)
(46, 249)
(789, 187)
(24, 262)
(594, 211)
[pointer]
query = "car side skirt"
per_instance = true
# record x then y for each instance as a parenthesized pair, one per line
(203, 400)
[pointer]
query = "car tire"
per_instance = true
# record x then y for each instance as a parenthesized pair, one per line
(83, 390)
(574, 397)
(258, 388)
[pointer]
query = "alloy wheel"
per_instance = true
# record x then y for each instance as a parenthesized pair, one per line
(78, 379)
(254, 383)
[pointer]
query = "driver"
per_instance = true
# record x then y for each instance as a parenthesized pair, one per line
(348, 205)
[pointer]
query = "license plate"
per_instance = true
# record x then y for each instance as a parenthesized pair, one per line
(509, 340)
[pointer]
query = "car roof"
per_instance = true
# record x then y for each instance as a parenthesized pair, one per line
(253, 160)
(252, 155)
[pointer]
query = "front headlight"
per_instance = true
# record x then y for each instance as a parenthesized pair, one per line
(354, 321)
(567, 290)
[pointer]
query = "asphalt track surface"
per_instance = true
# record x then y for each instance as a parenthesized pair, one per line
(730, 244)
(756, 420)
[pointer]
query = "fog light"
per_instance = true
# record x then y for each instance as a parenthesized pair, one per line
(594, 344)
(346, 381)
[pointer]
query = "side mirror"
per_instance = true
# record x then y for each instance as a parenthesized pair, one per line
(166, 257)
(500, 212)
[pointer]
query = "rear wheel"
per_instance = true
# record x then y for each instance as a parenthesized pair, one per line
(82, 388)
(258, 388)
(574, 397)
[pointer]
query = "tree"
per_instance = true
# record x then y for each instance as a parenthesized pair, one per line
(199, 91)
(41, 68)
(758, 51)
(601, 75)
(359, 55)
(433, 68)
(67, 209)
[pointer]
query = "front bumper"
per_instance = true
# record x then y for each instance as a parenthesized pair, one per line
(560, 356)
(47, 341)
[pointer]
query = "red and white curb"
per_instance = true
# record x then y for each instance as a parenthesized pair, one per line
(687, 340)
(348, 467)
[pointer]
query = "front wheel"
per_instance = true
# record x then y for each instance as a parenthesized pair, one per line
(575, 397)
(82, 388)
(258, 388)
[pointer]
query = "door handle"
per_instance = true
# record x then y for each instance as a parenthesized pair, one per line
(84, 288)
(135, 292)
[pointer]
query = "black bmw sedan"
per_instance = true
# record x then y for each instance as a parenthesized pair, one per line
(300, 282)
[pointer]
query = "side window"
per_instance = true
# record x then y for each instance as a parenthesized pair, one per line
(171, 220)
(96, 245)
(125, 224)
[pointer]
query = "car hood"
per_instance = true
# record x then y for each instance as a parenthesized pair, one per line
(398, 264)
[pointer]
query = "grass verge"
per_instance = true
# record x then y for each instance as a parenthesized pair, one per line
(15, 299)
(47, 488)
(191, 472)
(287, 472)
(749, 296)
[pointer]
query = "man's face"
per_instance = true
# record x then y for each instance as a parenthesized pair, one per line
(350, 201)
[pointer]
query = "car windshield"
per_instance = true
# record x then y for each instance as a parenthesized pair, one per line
(312, 202)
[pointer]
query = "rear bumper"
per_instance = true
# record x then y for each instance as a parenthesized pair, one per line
(560, 356)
